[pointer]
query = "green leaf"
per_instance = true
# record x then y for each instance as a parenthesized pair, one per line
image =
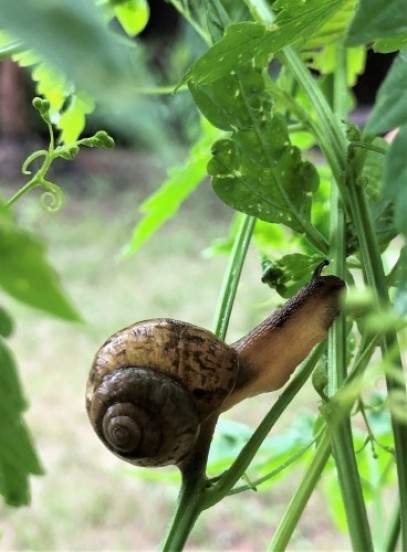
(391, 44)
(6, 323)
(73, 119)
(395, 178)
(324, 61)
(26, 275)
(163, 204)
(289, 273)
(246, 41)
(217, 19)
(133, 15)
(333, 29)
(377, 19)
(53, 85)
(18, 458)
(390, 110)
(71, 37)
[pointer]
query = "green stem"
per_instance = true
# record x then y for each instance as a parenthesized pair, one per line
(375, 277)
(191, 496)
(228, 480)
(334, 147)
(392, 537)
(300, 498)
(186, 513)
(342, 442)
(232, 275)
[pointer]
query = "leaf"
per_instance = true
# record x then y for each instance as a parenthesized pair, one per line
(333, 29)
(391, 44)
(71, 37)
(133, 15)
(26, 275)
(18, 458)
(257, 171)
(6, 323)
(324, 61)
(246, 41)
(217, 19)
(390, 110)
(395, 178)
(289, 273)
(53, 85)
(163, 204)
(72, 120)
(377, 19)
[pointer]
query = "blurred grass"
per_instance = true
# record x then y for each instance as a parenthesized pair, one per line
(85, 502)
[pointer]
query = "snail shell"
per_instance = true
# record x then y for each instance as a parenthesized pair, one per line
(152, 384)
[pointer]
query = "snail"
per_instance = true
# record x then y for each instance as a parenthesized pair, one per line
(154, 385)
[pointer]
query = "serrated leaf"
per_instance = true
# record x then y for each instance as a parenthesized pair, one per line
(72, 37)
(377, 19)
(163, 204)
(395, 178)
(26, 275)
(390, 110)
(133, 15)
(246, 41)
(18, 458)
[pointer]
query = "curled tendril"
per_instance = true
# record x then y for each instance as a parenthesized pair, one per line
(53, 199)
(31, 158)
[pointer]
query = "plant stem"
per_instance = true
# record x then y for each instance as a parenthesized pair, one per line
(300, 498)
(186, 513)
(232, 275)
(191, 496)
(227, 481)
(375, 277)
(342, 440)
(393, 534)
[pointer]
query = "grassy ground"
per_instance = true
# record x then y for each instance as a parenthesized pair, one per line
(85, 501)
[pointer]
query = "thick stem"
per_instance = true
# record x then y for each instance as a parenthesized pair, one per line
(300, 498)
(342, 442)
(191, 496)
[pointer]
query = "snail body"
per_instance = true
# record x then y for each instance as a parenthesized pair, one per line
(156, 384)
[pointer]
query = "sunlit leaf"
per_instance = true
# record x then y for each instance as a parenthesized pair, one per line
(73, 119)
(163, 204)
(133, 15)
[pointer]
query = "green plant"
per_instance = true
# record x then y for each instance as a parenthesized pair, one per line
(348, 207)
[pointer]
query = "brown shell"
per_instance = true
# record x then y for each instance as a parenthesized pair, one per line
(195, 357)
(151, 385)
